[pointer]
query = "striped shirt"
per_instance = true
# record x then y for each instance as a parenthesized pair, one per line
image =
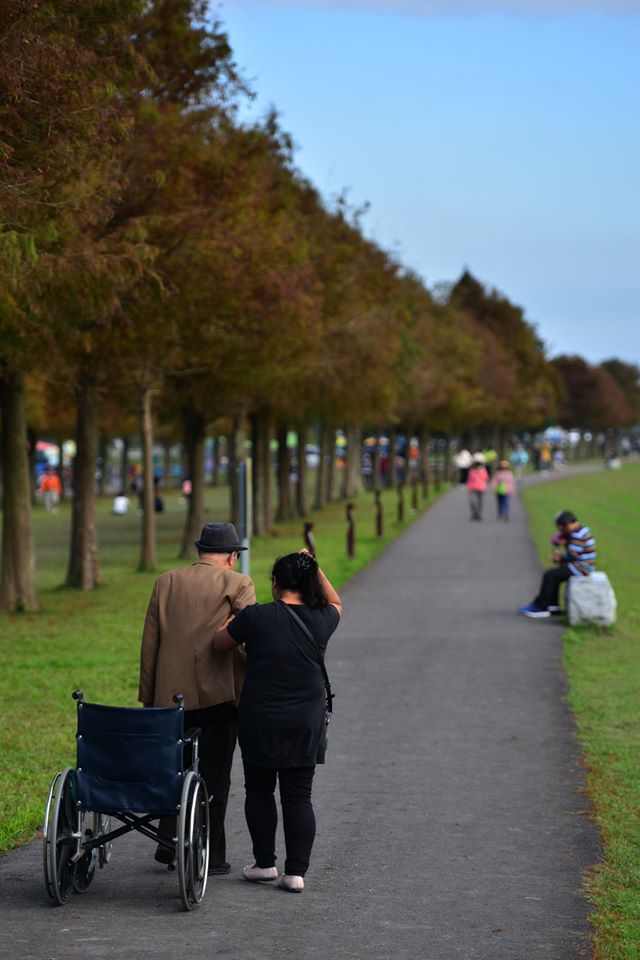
(581, 551)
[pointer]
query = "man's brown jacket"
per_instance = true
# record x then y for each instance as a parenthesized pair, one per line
(177, 654)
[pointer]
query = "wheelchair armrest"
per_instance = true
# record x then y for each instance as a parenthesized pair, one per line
(192, 734)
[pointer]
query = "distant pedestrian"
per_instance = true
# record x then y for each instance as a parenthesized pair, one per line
(477, 482)
(504, 488)
(120, 505)
(519, 460)
(367, 470)
(490, 458)
(545, 456)
(186, 489)
(575, 557)
(462, 462)
(51, 489)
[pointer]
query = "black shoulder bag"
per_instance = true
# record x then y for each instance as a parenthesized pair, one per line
(328, 708)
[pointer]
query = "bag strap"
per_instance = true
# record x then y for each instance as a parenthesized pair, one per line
(314, 643)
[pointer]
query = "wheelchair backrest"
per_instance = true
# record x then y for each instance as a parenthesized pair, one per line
(130, 759)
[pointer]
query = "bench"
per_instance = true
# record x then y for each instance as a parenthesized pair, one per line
(591, 599)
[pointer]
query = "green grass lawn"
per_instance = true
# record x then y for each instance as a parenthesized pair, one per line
(603, 666)
(91, 640)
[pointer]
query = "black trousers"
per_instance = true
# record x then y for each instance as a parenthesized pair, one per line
(219, 733)
(298, 818)
(550, 586)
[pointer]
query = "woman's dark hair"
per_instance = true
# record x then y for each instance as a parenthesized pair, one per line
(299, 572)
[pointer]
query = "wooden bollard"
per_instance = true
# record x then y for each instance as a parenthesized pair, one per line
(379, 516)
(425, 478)
(401, 503)
(351, 530)
(414, 493)
(309, 540)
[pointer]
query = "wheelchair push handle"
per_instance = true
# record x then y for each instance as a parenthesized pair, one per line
(78, 695)
(177, 699)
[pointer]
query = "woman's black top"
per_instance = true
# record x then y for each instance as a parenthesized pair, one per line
(281, 716)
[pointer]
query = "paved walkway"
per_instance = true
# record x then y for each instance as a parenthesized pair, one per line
(451, 822)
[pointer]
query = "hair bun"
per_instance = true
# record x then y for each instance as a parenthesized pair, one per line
(304, 562)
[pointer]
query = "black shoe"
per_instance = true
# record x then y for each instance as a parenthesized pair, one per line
(164, 855)
(219, 869)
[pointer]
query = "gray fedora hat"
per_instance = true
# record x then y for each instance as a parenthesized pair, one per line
(219, 538)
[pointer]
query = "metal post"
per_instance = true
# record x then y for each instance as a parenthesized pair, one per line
(245, 517)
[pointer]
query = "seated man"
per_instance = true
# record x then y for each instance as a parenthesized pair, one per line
(576, 559)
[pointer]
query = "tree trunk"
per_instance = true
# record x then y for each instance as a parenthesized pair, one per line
(302, 499)
(124, 466)
(32, 439)
(148, 531)
(166, 466)
(391, 465)
(331, 466)
(285, 507)
(322, 476)
(17, 583)
(235, 444)
(261, 473)
(376, 462)
(83, 569)
(353, 472)
(102, 465)
(423, 441)
(194, 436)
(60, 468)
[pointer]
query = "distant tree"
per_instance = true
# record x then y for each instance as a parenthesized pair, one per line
(60, 120)
(627, 377)
(519, 385)
(592, 398)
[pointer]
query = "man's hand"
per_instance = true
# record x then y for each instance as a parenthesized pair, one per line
(556, 556)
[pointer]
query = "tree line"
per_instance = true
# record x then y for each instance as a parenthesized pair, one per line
(164, 264)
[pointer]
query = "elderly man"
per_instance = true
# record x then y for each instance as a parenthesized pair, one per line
(177, 656)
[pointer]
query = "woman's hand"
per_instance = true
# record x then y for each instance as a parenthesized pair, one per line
(222, 639)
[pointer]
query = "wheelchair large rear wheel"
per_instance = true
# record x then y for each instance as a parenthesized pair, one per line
(60, 837)
(193, 841)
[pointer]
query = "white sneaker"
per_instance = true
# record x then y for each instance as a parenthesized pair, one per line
(259, 874)
(291, 882)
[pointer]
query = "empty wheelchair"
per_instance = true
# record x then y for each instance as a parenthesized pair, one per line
(130, 772)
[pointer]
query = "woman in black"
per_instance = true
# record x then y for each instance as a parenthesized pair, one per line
(282, 710)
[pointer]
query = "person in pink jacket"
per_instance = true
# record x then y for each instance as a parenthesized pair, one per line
(477, 482)
(503, 487)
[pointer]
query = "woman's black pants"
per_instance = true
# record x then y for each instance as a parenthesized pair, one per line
(298, 819)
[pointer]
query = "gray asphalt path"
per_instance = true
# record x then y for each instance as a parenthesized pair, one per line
(451, 822)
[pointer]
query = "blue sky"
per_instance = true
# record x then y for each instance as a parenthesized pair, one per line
(502, 136)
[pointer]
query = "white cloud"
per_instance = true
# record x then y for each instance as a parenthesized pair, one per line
(459, 7)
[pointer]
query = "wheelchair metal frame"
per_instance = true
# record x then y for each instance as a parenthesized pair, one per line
(72, 849)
